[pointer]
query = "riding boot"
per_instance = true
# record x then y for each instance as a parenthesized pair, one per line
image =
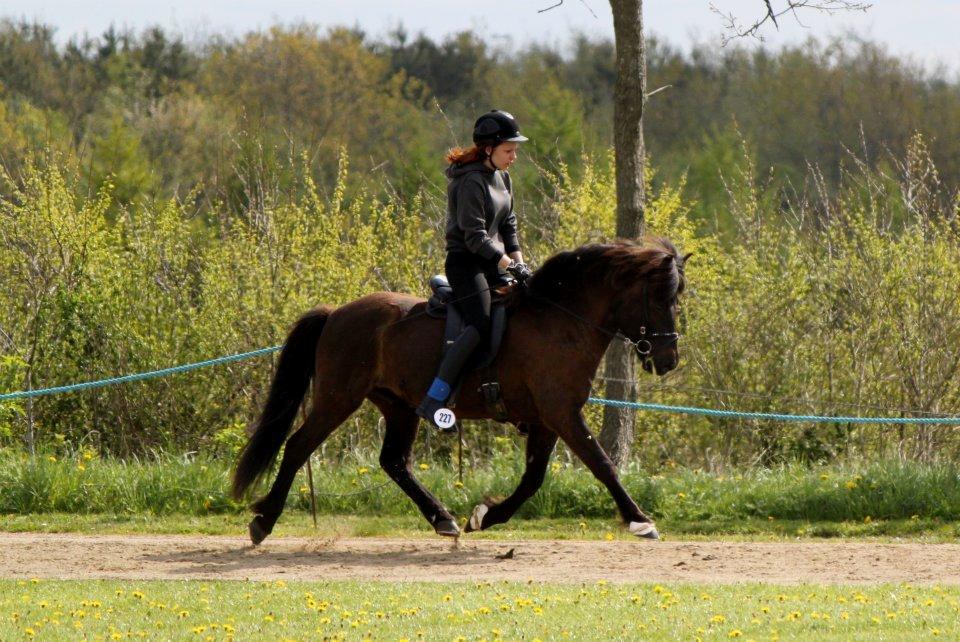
(451, 366)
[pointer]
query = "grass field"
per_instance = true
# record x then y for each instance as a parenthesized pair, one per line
(82, 492)
(189, 610)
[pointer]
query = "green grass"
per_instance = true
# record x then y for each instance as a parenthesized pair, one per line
(885, 499)
(190, 610)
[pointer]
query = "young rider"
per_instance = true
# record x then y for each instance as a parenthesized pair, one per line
(482, 241)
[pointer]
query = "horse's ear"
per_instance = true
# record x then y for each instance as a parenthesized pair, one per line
(686, 257)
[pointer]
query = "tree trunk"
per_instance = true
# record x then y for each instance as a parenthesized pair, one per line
(616, 435)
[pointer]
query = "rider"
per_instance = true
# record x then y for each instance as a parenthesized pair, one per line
(482, 241)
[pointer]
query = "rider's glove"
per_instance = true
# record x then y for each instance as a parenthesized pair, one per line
(520, 272)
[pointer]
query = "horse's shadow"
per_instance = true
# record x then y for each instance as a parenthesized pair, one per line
(248, 558)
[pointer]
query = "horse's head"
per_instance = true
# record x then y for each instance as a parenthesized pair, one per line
(647, 306)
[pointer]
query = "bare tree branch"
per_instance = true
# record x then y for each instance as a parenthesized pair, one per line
(553, 6)
(738, 29)
(560, 2)
(584, 3)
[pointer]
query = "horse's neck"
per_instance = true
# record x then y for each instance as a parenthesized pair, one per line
(589, 314)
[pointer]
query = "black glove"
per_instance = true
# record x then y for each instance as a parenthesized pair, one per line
(520, 272)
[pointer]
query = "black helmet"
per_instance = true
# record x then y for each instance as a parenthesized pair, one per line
(495, 127)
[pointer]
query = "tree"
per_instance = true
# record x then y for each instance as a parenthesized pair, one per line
(616, 435)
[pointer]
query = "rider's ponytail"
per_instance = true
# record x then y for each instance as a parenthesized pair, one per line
(464, 156)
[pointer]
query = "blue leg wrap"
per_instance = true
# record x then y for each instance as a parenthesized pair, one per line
(439, 390)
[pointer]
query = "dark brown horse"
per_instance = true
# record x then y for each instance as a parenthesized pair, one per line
(383, 347)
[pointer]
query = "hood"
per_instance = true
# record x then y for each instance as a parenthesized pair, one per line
(457, 169)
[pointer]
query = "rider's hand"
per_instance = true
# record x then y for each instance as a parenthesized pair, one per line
(520, 272)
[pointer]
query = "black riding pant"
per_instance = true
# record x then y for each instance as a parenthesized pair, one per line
(471, 278)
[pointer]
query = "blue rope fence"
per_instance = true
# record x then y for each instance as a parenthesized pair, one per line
(653, 407)
(23, 394)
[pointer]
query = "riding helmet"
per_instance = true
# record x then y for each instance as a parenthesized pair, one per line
(495, 127)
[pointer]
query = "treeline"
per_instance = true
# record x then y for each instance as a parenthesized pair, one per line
(217, 120)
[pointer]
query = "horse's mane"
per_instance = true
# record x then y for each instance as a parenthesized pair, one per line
(618, 264)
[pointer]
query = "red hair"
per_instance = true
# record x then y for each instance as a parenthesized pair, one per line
(462, 156)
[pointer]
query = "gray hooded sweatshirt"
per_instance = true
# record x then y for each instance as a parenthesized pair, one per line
(480, 218)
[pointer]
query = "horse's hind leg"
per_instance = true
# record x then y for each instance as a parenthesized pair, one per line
(540, 443)
(320, 422)
(401, 431)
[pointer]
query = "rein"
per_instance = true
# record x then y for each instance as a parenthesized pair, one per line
(644, 345)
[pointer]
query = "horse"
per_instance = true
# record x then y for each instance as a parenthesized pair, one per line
(384, 348)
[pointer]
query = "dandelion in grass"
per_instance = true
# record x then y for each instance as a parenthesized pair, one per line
(424, 466)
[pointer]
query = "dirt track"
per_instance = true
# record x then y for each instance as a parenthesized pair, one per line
(24, 555)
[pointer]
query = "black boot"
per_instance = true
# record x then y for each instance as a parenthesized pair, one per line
(453, 362)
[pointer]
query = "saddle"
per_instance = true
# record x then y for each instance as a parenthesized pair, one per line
(441, 305)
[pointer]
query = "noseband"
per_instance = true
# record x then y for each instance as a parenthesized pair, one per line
(649, 339)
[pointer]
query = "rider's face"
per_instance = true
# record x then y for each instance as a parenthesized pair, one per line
(503, 155)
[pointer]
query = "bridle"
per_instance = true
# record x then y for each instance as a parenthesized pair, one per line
(649, 339)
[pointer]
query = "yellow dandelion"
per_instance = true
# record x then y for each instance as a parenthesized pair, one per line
(52, 459)
(458, 484)
(363, 470)
(735, 633)
(81, 467)
(850, 485)
(608, 536)
(718, 619)
(424, 466)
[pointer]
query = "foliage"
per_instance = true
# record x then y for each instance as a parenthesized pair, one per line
(793, 317)
(165, 118)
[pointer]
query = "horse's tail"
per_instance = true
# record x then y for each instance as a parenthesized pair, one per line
(294, 370)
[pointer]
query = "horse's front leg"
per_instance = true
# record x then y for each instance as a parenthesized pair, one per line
(401, 431)
(572, 428)
(540, 443)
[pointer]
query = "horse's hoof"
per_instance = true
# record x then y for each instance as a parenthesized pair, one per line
(644, 530)
(257, 532)
(476, 519)
(447, 528)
